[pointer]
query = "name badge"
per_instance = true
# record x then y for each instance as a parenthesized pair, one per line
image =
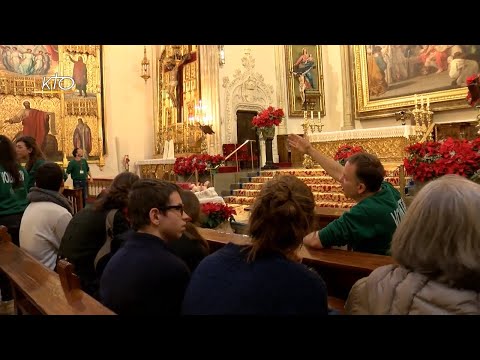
(81, 172)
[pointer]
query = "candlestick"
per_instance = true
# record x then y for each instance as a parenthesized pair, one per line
(311, 114)
(305, 114)
(416, 101)
(318, 114)
(428, 102)
(421, 101)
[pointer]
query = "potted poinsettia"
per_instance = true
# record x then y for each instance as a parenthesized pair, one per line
(345, 151)
(214, 215)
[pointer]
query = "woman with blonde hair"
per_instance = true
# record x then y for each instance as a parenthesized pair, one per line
(437, 250)
(264, 276)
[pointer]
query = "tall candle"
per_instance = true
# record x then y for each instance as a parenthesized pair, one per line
(416, 101)
(421, 101)
(311, 114)
(318, 114)
(428, 102)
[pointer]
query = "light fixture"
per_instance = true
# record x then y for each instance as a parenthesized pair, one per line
(145, 66)
(221, 54)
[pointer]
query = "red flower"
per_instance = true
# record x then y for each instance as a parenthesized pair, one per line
(345, 151)
(186, 166)
(473, 84)
(432, 159)
(215, 214)
(268, 118)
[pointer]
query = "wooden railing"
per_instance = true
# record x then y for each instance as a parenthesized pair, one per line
(37, 290)
(96, 186)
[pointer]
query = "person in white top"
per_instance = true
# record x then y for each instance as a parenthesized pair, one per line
(46, 217)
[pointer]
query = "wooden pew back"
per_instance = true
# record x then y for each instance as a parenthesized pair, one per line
(75, 197)
(39, 290)
(340, 269)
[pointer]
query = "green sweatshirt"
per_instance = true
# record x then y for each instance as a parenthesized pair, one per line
(369, 225)
(32, 173)
(13, 201)
(78, 169)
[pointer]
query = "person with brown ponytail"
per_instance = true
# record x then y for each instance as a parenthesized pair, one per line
(191, 247)
(264, 276)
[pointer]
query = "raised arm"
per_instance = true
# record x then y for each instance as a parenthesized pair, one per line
(333, 168)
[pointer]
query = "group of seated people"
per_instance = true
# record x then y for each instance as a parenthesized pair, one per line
(138, 251)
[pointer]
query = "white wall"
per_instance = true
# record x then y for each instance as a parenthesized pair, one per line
(129, 110)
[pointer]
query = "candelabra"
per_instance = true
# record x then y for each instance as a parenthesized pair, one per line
(204, 122)
(311, 124)
(422, 118)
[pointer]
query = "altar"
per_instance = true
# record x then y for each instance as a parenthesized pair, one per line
(156, 169)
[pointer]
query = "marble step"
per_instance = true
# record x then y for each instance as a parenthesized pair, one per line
(319, 196)
(246, 200)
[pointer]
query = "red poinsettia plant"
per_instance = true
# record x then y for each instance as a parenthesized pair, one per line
(432, 159)
(268, 118)
(213, 214)
(473, 84)
(187, 165)
(345, 151)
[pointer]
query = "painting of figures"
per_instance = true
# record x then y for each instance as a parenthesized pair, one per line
(388, 76)
(304, 72)
(54, 93)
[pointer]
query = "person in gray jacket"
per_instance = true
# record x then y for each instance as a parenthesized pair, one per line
(437, 250)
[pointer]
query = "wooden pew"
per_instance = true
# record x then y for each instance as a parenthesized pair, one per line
(39, 290)
(76, 198)
(340, 269)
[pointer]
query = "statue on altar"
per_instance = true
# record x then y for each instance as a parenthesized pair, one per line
(173, 65)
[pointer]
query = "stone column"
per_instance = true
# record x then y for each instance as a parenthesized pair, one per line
(348, 121)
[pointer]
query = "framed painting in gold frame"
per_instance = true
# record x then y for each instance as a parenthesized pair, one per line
(304, 71)
(55, 94)
(386, 78)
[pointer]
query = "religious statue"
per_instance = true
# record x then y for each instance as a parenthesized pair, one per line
(174, 65)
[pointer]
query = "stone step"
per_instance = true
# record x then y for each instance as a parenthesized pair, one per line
(313, 180)
(315, 172)
(318, 196)
(246, 200)
(335, 188)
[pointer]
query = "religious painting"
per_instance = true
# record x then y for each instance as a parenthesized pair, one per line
(305, 74)
(386, 78)
(54, 93)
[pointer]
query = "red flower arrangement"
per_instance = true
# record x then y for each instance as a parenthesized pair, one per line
(268, 118)
(432, 159)
(345, 151)
(473, 84)
(202, 163)
(214, 214)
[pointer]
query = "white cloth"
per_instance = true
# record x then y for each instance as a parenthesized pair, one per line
(41, 231)
(171, 150)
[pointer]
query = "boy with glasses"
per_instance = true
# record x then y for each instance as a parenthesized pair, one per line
(144, 277)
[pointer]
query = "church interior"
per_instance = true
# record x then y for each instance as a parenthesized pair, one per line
(222, 121)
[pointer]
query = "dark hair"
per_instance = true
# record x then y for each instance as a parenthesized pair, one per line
(116, 196)
(282, 215)
(74, 152)
(8, 159)
(369, 170)
(36, 154)
(147, 194)
(191, 205)
(49, 176)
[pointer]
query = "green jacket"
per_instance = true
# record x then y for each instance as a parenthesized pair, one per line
(78, 169)
(32, 173)
(13, 201)
(369, 225)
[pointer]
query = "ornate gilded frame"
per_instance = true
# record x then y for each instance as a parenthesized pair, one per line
(292, 53)
(64, 106)
(367, 108)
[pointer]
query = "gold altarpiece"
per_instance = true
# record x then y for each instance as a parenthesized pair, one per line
(179, 94)
(34, 82)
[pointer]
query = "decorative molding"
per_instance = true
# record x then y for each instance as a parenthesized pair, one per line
(247, 91)
(348, 121)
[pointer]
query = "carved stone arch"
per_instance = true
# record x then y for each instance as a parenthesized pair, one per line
(247, 91)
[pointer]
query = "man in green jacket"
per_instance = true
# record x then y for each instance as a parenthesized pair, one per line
(370, 224)
(80, 173)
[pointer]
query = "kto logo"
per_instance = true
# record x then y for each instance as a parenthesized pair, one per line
(57, 82)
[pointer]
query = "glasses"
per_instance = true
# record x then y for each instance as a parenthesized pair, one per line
(179, 208)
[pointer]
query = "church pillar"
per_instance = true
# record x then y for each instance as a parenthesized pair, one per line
(348, 122)
(210, 92)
